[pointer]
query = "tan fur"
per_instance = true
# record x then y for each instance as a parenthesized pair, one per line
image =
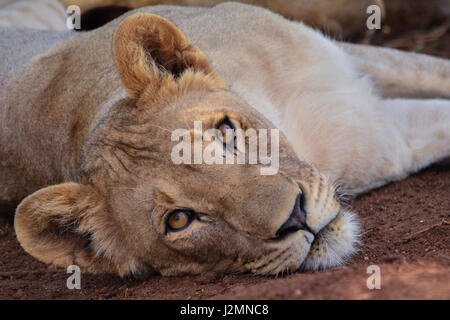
(99, 111)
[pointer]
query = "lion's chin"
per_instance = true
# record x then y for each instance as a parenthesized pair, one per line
(334, 244)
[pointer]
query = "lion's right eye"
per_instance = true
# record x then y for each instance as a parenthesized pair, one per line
(223, 128)
(179, 219)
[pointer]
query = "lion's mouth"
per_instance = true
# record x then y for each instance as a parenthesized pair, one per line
(332, 246)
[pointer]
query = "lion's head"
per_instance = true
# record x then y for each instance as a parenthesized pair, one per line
(134, 210)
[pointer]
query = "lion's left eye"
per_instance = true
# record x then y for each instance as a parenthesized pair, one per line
(223, 127)
(179, 219)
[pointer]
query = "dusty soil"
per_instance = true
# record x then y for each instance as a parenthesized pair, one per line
(406, 227)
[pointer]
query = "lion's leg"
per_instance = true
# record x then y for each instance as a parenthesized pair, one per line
(402, 74)
(413, 133)
(425, 127)
(405, 136)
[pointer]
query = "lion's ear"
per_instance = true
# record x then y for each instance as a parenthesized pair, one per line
(148, 48)
(56, 225)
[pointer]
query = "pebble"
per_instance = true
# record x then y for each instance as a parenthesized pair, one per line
(298, 292)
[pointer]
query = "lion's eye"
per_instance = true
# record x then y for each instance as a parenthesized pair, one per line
(178, 220)
(223, 127)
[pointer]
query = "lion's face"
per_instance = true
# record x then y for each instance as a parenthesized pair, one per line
(136, 210)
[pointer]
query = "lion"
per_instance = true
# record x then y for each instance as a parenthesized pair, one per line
(86, 139)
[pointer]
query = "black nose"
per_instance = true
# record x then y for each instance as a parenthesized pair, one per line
(296, 221)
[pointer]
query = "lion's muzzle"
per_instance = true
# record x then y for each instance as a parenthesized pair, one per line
(296, 220)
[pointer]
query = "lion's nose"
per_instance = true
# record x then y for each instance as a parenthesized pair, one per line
(296, 220)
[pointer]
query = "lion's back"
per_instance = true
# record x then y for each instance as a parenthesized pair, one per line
(20, 45)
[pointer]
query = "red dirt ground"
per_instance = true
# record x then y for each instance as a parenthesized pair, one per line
(406, 227)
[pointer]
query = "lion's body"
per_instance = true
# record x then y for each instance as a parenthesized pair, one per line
(58, 87)
(304, 83)
(54, 72)
(42, 14)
